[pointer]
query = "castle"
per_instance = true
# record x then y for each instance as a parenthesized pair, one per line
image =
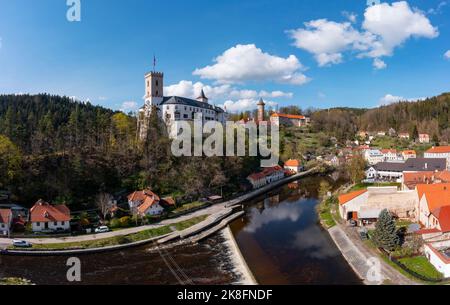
(172, 109)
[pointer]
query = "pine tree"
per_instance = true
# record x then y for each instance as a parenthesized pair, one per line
(385, 234)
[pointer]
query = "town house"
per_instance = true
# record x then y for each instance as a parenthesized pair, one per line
(46, 217)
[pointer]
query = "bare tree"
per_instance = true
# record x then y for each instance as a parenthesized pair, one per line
(105, 203)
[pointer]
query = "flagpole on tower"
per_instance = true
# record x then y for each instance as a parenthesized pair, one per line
(154, 63)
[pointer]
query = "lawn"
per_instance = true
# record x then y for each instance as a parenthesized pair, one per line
(123, 239)
(362, 186)
(325, 214)
(422, 266)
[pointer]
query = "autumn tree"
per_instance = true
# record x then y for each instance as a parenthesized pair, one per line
(10, 161)
(356, 168)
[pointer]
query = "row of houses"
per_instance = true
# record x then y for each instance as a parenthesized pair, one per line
(46, 217)
(424, 138)
(427, 204)
(271, 174)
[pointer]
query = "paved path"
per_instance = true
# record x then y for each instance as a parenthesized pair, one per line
(362, 258)
(217, 208)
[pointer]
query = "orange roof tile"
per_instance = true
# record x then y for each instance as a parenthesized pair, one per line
(437, 199)
(289, 116)
(343, 199)
(443, 216)
(386, 151)
(439, 150)
(409, 152)
(147, 204)
(292, 163)
(45, 212)
(431, 188)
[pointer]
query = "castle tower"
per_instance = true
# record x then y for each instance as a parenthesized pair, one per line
(202, 98)
(261, 110)
(154, 88)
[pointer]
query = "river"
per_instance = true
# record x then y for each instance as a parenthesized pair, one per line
(279, 237)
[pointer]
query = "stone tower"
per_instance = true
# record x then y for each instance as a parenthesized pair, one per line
(261, 110)
(154, 88)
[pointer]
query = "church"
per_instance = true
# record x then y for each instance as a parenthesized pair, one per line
(172, 109)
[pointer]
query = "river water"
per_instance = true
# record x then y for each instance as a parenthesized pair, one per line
(279, 237)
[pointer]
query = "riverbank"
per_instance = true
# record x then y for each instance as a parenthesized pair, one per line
(365, 262)
(117, 236)
(241, 267)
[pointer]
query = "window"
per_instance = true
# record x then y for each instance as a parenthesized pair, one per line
(55, 223)
(157, 83)
(157, 92)
(38, 224)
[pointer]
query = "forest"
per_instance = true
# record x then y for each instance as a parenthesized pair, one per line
(61, 150)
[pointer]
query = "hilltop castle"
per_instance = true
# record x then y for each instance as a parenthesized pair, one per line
(171, 109)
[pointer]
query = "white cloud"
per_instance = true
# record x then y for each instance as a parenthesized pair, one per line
(447, 54)
(244, 105)
(248, 63)
(391, 99)
(438, 9)
(394, 24)
(192, 90)
(325, 39)
(352, 17)
(378, 64)
(385, 27)
(128, 106)
(102, 98)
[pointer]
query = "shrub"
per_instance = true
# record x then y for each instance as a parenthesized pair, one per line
(125, 221)
(114, 223)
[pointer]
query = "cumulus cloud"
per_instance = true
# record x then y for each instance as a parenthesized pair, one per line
(391, 99)
(438, 9)
(394, 24)
(248, 63)
(385, 27)
(447, 54)
(128, 106)
(378, 64)
(192, 90)
(244, 105)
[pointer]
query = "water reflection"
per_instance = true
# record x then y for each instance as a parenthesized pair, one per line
(283, 243)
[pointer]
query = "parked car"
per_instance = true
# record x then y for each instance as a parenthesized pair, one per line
(363, 235)
(21, 244)
(102, 229)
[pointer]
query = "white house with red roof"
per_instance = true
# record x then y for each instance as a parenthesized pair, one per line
(266, 176)
(279, 119)
(47, 217)
(391, 155)
(294, 166)
(145, 203)
(5, 221)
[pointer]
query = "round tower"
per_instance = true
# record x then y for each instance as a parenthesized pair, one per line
(261, 110)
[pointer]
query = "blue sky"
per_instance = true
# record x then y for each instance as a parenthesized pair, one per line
(307, 53)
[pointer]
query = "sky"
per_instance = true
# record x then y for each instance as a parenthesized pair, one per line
(307, 53)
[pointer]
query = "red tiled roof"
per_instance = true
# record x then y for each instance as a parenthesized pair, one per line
(439, 150)
(292, 163)
(437, 199)
(289, 116)
(265, 172)
(409, 152)
(431, 188)
(427, 231)
(443, 216)
(386, 151)
(5, 215)
(142, 195)
(343, 199)
(147, 204)
(45, 212)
